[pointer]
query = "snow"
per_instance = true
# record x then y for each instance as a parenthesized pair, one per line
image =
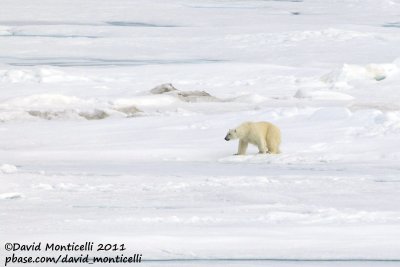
(89, 152)
(7, 168)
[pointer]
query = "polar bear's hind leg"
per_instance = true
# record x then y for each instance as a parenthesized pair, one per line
(273, 147)
(262, 146)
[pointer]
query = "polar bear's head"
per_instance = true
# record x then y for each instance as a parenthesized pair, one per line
(231, 135)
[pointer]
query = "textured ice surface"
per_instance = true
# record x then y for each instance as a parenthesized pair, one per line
(87, 153)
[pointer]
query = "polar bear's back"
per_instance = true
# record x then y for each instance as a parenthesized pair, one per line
(254, 130)
(266, 128)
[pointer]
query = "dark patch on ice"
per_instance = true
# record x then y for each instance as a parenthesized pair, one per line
(129, 111)
(48, 115)
(45, 23)
(295, 13)
(124, 207)
(10, 196)
(294, 1)
(196, 96)
(379, 77)
(94, 115)
(139, 24)
(64, 114)
(49, 36)
(102, 207)
(286, 1)
(72, 23)
(229, 7)
(186, 96)
(163, 88)
(392, 25)
(98, 62)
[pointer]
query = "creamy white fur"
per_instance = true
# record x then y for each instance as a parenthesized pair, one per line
(265, 135)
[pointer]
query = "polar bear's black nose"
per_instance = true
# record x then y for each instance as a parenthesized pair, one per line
(226, 138)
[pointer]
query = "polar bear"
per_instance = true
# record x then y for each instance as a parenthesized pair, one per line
(265, 135)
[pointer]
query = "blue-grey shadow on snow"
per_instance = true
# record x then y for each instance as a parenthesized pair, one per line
(294, 1)
(44, 23)
(73, 23)
(98, 62)
(47, 36)
(138, 24)
(392, 25)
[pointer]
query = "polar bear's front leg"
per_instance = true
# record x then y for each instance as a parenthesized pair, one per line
(242, 147)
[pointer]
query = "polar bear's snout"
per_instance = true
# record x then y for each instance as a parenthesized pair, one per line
(230, 135)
